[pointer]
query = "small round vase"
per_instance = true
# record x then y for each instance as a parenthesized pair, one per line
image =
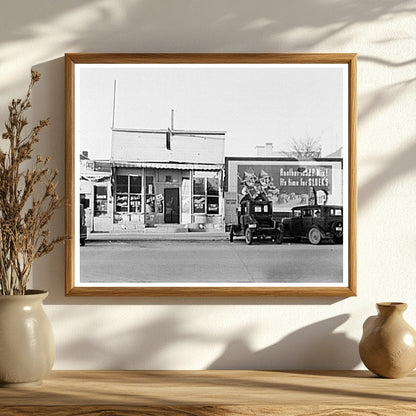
(388, 345)
(27, 347)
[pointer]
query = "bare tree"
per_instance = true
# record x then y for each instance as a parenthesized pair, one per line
(304, 149)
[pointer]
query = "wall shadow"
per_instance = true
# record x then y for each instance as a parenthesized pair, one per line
(313, 347)
(394, 168)
(141, 346)
(265, 26)
(152, 23)
(151, 26)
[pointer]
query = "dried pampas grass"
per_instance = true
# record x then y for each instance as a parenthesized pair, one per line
(28, 198)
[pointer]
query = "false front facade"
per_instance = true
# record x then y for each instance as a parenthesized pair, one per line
(167, 177)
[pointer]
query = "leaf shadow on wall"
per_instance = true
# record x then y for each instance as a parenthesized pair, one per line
(246, 28)
(394, 168)
(316, 346)
(138, 345)
(152, 345)
(132, 26)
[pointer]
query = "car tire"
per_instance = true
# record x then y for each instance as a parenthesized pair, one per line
(338, 240)
(334, 226)
(314, 236)
(82, 242)
(278, 237)
(249, 236)
(231, 234)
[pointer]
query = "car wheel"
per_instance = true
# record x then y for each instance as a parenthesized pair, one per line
(336, 229)
(231, 234)
(83, 241)
(338, 240)
(278, 238)
(314, 236)
(249, 236)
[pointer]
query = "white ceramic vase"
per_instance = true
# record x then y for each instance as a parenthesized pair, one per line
(27, 347)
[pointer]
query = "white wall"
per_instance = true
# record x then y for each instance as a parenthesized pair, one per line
(198, 333)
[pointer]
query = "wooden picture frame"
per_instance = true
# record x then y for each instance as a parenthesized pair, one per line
(142, 185)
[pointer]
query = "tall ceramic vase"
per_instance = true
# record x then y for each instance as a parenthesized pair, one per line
(27, 347)
(388, 345)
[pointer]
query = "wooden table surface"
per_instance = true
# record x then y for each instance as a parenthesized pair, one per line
(202, 393)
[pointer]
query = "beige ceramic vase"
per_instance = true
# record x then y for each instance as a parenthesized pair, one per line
(27, 347)
(388, 344)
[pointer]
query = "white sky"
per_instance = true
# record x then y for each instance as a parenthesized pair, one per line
(254, 105)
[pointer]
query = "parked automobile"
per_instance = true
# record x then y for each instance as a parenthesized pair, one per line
(255, 219)
(82, 223)
(315, 223)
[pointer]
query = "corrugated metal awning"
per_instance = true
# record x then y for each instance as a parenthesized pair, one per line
(167, 165)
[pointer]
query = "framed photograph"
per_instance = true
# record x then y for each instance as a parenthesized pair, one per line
(211, 174)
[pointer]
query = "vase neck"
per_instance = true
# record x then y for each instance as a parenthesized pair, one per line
(390, 308)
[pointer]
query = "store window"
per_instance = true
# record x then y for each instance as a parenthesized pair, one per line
(212, 186)
(150, 194)
(128, 193)
(100, 201)
(212, 205)
(199, 186)
(135, 197)
(206, 195)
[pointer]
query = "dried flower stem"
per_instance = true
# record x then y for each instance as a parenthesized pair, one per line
(23, 217)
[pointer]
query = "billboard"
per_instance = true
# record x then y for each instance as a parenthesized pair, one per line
(285, 181)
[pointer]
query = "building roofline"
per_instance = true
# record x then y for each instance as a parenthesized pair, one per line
(177, 132)
(168, 165)
(263, 159)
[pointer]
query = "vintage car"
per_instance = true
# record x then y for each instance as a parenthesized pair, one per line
(315, 223)
(82, 221)
(256, 220)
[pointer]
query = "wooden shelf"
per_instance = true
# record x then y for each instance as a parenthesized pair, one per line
(203, 393)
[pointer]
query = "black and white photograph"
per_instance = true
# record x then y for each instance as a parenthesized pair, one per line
(210, 175)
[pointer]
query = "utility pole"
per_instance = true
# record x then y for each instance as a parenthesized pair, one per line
(114, 104)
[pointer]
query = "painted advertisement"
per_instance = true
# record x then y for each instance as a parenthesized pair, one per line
(286, 183)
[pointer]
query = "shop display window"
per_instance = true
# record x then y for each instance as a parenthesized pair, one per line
(150, 203)
(135, 204)
(122, 203)
(213, 186)
(150, 188)
(135, 184)
(150, 194)
(213, 205)
(199, 186)
(128, 193)
(206, 195)
(100, 201)
(199, 204)
(122, 183)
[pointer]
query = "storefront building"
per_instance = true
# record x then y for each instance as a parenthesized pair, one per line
(167, 177)
(95, 192)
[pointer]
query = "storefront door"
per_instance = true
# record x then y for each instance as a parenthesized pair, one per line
(172, 206)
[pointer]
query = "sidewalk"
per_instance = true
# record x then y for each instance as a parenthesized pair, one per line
(140, 236)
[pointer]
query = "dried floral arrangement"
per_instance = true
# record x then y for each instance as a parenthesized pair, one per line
(28, 198)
